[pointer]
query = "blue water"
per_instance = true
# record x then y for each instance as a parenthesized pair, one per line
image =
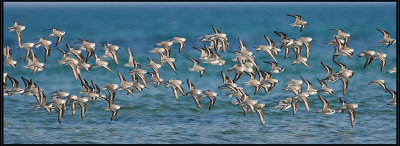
(154, 116)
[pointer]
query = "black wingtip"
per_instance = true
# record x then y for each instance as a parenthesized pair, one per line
(205, 46)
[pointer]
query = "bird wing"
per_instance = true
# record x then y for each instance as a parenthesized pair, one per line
(309, 85)
(306, 103)
(59, 39)
(175, 92)
(114, 56)
(190, 84)
(345, 81)
(323, 84)
(281, 35)
(61, 111)
(114, 114)
(260, 114)
(75, 70)
(172, 65)
(14, 82)
(383, 85)
(243, 48)
(270, 42)
(294, 107)
(121, 78)
(303, 26)
(181, 45)
(368, 61)
(352, 114)
(223, 77)
(47, 51)
(181, 90)
(19, 38)
(385, 33)
(131, 57)
(215, 29)
(83, 109)
(197, 100)
(73, 106)
(212, 101)
(384, 61)
(323, 101)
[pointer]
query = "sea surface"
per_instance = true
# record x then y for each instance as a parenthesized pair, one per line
(154, 116)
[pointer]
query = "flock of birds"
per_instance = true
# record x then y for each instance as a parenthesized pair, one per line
(246, 64)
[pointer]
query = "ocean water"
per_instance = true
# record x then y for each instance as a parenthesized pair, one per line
(154, 116)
